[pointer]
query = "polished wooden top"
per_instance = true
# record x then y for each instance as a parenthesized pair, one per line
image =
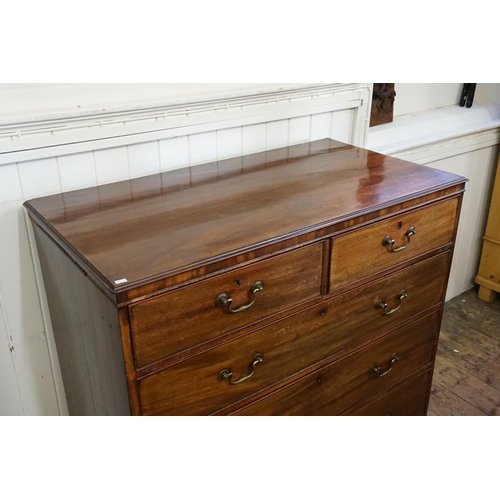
(145, 228)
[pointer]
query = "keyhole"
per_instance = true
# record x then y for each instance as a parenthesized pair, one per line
(237, 281)
(400, 225)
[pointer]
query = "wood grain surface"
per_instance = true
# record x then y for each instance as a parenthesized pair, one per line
(467, 373)
(301, 340)
(161, 224)
(184, 318)
(342, 385)
(360, 253)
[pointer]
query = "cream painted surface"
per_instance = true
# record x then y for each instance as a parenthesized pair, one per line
(29, 370)
(20, 102)
(418, 97)
(487, 93)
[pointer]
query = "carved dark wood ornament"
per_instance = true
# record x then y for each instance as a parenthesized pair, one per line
(382, 103)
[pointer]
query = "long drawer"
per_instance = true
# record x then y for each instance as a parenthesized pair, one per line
(193, 386)
(338, 387)
(408, 399)
(361, 253)
(184, 318)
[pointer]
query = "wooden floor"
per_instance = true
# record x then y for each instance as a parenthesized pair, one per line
(467, 373)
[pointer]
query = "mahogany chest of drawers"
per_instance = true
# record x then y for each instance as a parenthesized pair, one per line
(308, 280)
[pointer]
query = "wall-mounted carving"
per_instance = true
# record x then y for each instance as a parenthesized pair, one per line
(382, 103)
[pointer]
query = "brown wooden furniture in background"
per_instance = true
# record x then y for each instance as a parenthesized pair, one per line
(307, 280)
(488, 277)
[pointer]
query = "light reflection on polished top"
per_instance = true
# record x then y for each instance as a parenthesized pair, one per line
(183, 214)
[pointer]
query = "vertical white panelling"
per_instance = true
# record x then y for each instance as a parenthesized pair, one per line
(111, 165)
(276, 137)
(174, 153)
(202, 148)
(23, 337)
(299, 130)
(10, 394)
(23, 315)
(321, 126)
(361, 122)
(11, 403)
(143, 159)
(254, 138)
(459, 165)
(229, 143)
(10, 187)
(39, 178)
(277, 134)
(253, 141)
(342, 125)
(77, 171)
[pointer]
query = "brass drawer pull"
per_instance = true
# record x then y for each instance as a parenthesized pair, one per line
(223, 299)
(377, 369)
(226, 373)
(388, 241)
(383, 305)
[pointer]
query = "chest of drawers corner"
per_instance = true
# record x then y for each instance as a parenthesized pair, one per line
(312, 285)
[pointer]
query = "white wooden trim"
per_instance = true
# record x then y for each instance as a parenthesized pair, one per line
(439, 150)
(437, 134)
(44, 139)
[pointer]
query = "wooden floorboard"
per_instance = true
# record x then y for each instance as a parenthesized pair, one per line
(467, 373)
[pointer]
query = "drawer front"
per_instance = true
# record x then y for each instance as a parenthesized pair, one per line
(181, 319)
(350, 381)
(409, 399)
(291, 345)
(361, 253)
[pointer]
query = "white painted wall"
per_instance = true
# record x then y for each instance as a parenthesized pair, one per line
(418, 97)
(74, 150)
(28, 102)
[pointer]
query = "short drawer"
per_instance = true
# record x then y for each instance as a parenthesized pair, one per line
(350, 381)
(184, 318)
(361, 253)
(293, 344)
(408, 399)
